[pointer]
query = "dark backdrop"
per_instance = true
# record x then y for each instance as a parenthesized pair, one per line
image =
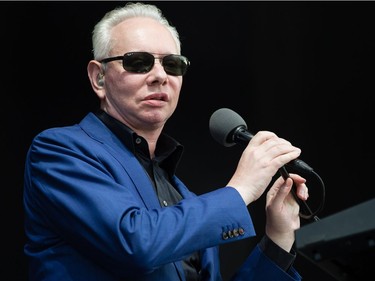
(304, 70)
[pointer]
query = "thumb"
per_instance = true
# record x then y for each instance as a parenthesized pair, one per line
(283, 191)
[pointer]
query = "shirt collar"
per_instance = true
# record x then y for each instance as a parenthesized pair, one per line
(168, 151)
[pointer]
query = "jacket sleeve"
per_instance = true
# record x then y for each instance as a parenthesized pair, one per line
(258, 267)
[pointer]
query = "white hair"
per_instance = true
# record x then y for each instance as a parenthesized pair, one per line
(101, 35)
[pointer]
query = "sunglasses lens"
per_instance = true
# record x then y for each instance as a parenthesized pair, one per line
(175, 65)
(142, 62)
(138, 62)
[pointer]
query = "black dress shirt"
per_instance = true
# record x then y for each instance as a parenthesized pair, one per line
(160, 169)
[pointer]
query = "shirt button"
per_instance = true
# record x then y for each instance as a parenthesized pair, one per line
(165, 203)
(138, 140)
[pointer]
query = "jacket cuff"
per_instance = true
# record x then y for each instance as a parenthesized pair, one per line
(278, 255)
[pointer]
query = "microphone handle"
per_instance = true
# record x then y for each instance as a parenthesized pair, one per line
(243, 136)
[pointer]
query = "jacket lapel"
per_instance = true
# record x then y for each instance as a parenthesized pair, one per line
(97, 130)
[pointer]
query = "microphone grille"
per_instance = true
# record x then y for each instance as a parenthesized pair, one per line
(222, 124)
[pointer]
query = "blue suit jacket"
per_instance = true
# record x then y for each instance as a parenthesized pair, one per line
(91, 213)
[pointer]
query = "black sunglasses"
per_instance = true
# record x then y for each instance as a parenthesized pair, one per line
(142, 62)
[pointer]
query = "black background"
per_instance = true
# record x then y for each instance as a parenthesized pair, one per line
(304, 70)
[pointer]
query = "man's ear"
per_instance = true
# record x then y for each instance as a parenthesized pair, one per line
(96, 76)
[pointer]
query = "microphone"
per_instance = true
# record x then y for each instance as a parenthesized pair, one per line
(228, 128)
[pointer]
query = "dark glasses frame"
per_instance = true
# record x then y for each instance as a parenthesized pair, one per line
(143, 62)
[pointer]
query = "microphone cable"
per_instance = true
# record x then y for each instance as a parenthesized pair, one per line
(308, 214)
